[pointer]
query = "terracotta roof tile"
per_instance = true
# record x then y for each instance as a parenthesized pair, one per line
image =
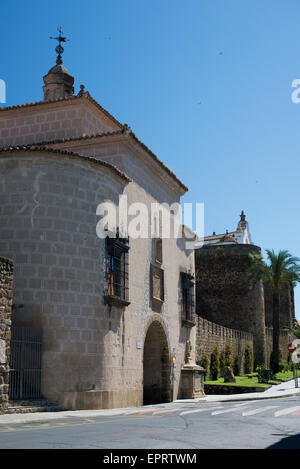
(35, 148)
(123, 131)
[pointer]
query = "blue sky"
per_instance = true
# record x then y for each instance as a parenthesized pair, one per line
(206, 84)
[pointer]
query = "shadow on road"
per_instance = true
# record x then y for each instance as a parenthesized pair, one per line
(291, 442)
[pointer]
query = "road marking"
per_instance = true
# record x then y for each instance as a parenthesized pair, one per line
(278, 413)
(163, 411)
(245, 404)
(227, 411)
(199, 410)
(260, 410)
(9, 429)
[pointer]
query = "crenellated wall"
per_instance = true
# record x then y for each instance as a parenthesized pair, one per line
(211, 335)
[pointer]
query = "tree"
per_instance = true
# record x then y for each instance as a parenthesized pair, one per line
(296, 329)
(248, 365)
(214, 364)
(281, 268)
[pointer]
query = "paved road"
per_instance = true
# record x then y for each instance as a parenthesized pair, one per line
(271, 423)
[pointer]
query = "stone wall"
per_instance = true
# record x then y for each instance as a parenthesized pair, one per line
(6, 294)
(49, 121)
(48, 227)
(285, 338)
(224, 294)
(211, 335)
(287, 307)
(92, 353)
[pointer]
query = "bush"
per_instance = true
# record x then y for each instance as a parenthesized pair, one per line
(283, 366)
(222, 363)
(214, 364)
(236, 366)
(205, 363)
(248, 364)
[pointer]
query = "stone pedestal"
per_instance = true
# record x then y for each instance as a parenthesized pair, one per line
(192, 381)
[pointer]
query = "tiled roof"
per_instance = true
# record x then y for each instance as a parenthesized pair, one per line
(35, 148)
(85, 95)
(124, 131)
(217, 237)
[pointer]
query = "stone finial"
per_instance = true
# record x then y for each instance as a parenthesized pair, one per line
(82, 91)
(243, 216)
(126, 129)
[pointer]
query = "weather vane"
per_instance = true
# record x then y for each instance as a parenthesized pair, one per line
(59, 49)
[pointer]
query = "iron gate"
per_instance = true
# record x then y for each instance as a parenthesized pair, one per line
(25, 363)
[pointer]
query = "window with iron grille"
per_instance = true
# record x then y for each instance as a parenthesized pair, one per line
(116, 270)
(187, 299)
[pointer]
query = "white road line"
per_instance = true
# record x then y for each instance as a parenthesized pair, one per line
(286, 411)
(227, 411)
(245, 404)
(198, 410)
(260, 410)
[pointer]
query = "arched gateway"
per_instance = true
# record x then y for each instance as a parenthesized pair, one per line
(156, 365)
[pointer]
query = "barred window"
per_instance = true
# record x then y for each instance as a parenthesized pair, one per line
(116, 288)
(187, 299)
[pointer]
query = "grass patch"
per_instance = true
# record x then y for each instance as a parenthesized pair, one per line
(246, 380)
(286, 375)
(242, 380)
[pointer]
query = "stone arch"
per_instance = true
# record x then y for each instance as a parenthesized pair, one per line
(156, 364)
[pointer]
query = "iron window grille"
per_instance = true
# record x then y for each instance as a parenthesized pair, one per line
(187, 299)
(25, 363)
(116, 271)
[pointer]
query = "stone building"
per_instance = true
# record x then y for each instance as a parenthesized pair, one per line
(107, 314)
(226, 297)
(6, 295)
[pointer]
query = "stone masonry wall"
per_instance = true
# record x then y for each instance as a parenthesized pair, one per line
(6, 294)
(225, 296)
(287, 307)
(49, 121)
(285, 338)
(211, 335)
(48, 227)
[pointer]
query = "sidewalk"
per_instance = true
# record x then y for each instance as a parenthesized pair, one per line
(280, 390)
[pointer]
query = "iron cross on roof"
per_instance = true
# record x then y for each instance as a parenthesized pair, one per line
(59, 49)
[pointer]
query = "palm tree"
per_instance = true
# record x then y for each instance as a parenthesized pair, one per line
(281, 268)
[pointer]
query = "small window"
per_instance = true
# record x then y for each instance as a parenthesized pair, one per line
(116, 270)
(187, 299)
(158, 250)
